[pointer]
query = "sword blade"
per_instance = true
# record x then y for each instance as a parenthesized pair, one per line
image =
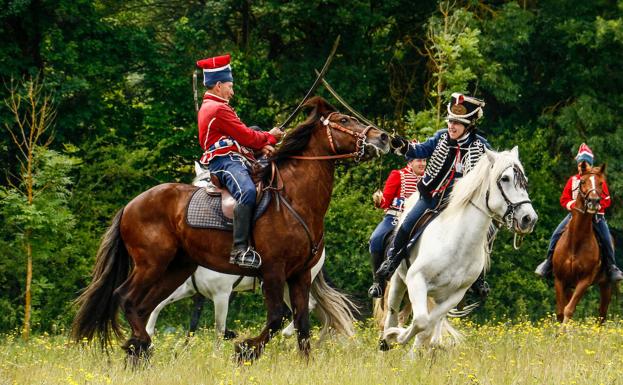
(311, 90)
(345, 104)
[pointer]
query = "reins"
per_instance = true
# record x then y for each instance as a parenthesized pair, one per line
(360, 144)
(276, 183)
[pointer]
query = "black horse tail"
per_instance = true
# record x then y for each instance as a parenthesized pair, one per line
(98, 311)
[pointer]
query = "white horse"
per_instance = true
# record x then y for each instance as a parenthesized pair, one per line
(334, 309)
(452, 251)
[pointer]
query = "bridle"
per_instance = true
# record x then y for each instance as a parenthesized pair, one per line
(584, 196)
(360, 144)
(508, 218)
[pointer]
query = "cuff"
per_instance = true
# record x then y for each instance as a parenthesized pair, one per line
(271, 139)
(570, 205)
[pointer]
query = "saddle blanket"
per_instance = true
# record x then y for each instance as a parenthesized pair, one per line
(204, 211)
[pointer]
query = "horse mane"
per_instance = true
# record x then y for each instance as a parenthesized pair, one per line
(297, 140)
(475, 183)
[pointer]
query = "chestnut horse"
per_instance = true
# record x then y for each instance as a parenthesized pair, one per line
(149, 250)
(576, 260)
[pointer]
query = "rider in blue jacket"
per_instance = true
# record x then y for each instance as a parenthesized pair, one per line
(451, 153)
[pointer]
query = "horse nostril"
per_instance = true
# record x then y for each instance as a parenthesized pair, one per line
(526, 219)
(384, 137)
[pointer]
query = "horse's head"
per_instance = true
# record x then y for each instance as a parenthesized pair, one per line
(590, 190)
(507, 196)
(345, 135)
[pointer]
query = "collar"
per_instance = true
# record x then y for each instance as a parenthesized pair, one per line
(211, 96)
(463, 139)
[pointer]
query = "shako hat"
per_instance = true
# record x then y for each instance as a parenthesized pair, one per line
(216, 69)
(464, 109)
(584, 154)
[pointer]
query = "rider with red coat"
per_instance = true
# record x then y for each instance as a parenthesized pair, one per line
(228, 146)
(567, 201)
(400, 185)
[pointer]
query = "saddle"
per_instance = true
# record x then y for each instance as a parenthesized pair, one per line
(212, 207)
(427, 218)
(215, 189)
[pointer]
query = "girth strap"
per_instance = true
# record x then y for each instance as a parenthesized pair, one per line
(194, 282)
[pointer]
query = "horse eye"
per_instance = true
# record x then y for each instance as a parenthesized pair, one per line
(506, 178)
(343, 120)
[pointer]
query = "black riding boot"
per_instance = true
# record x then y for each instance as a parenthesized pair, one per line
(613, 272)
(242, 254)
(396, 255)
(378, 286)
(544, 270)
(480, 287)
(387, 269)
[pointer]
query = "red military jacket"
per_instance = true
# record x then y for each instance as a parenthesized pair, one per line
(221, 132)
(570, 194)
(399, 186)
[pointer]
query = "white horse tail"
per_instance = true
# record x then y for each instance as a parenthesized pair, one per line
(442, 329)
(335, 309)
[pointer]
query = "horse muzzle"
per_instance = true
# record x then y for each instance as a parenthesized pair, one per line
(376, 143)
(525, 219)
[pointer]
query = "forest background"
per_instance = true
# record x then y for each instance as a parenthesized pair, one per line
(111, 82)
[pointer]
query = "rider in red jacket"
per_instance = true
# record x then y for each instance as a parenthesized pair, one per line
(567, 201)
(227, 144)
(400, 185)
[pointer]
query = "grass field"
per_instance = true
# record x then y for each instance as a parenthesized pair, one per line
(501, 353)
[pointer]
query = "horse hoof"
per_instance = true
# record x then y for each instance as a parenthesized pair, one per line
(244, 352)
(229, 334)
(383, 345)
(138, 352)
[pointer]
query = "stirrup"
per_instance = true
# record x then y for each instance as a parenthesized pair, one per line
(248, 258)
(614, 274)
(375, 291)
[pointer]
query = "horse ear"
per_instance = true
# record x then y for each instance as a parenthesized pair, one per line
(320, 106)
(602, 169)
(515, 151)
(198, 169)
(490, 155)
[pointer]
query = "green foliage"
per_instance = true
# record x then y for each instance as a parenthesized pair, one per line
(47, 225)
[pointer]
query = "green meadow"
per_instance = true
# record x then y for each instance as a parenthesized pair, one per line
(496, 353)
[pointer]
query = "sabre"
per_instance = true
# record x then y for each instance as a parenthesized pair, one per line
(343, 102)
(325, 67)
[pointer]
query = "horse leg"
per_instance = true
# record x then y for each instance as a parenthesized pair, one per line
(139, 295)
(605, 295)
(274, 282)
(221, 306)
(299, 295)
(181, 292)
(580, 289)
(397, 289)
(561, 298)
(435, 317)
(198, 302)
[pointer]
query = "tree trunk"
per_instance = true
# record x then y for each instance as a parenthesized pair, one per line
(26, 328)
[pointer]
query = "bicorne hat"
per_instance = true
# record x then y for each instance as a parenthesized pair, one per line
(464, 109)
(216, 69)
(584, 154)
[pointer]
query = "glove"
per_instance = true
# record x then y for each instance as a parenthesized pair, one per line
(399, 144)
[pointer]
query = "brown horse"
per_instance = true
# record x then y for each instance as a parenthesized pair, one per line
(576, 260)
(149, 250)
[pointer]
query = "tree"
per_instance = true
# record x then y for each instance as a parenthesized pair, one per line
(33, 203)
